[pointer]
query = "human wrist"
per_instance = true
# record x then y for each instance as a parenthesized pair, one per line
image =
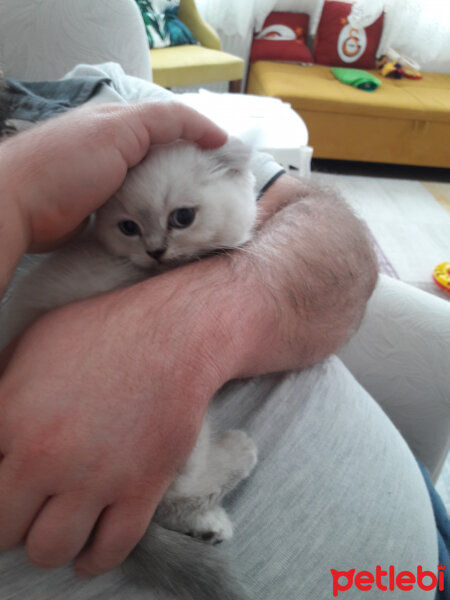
(201, 311)
(225, 331)
(250, 322)
(174, 312)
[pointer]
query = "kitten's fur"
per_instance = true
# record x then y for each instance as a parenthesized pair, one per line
(219, 187)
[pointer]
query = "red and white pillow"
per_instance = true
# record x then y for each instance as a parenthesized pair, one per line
(283, 37)
(339, 44)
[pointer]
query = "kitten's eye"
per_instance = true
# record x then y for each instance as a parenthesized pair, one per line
(129, 228)
(182, 218)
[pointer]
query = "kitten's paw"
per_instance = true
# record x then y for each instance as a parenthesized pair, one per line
(211, 526)
(242, 448)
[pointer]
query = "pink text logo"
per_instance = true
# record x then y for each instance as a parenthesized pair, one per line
(387, 580)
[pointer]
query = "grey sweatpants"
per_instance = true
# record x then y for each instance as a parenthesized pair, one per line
(336, 487)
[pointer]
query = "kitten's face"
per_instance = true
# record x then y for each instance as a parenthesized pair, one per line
(179, 203)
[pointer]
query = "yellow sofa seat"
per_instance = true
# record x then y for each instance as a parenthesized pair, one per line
(403, 121)
(192, 65)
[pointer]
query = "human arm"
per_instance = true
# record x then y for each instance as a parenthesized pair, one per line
(288, 299)
(295, 293)
(307, 275)
(53, 176)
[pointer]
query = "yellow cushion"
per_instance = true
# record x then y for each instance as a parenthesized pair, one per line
(191, 65)
(403, 121)
(316, 88)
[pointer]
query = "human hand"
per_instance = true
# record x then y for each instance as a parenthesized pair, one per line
(65, 168)
(99, 406)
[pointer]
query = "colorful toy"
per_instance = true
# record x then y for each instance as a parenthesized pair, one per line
(441, 276)
(392, 64)
(389, 68)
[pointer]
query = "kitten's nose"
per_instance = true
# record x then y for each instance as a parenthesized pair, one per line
(156, 254)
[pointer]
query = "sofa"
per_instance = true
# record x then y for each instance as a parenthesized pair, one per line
(402, 349)
(404, 121)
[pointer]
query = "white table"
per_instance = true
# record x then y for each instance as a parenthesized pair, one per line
(267, 124)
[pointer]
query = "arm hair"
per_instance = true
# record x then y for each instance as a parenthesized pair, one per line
(300, 287)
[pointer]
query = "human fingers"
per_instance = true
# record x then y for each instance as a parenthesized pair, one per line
(131, 130)
(61, 529)
(119, 530)
(76, 161)
(19, 503)
(170, 121)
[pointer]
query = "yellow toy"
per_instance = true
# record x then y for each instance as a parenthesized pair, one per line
(441, 276)
(389, 68)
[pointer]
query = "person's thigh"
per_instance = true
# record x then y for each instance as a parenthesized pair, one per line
(336, 487)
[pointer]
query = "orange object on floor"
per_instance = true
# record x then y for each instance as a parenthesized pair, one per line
(441, 276)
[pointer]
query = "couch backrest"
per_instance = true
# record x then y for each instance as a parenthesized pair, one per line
(43, 40)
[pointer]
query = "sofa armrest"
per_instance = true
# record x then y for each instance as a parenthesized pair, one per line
(401, 355)
(203, 33)
(43, 40)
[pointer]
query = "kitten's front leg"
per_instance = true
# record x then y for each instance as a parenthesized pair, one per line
(233, 458)
(192, 507)
(212, 525)
(196, 518)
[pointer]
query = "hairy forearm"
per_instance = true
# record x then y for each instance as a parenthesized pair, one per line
(309, 272)
(288, 299)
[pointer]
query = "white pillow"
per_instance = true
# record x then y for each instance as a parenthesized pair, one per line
(312, 7)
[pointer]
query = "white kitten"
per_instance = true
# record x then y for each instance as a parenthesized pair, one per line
(185, 203)
(179, 203)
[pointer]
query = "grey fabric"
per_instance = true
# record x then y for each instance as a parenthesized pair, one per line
(336, 487)
(38, 100)
(4, 103)
(401, 356)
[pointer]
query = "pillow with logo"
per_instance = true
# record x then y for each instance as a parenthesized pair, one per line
(162, 25)
(341, 44)
(282, 37)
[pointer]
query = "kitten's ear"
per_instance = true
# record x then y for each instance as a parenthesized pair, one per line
(233, 157)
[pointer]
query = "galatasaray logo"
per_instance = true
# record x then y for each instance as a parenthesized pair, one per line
(352, 43)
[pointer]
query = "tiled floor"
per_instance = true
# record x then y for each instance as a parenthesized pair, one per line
(408, 212)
